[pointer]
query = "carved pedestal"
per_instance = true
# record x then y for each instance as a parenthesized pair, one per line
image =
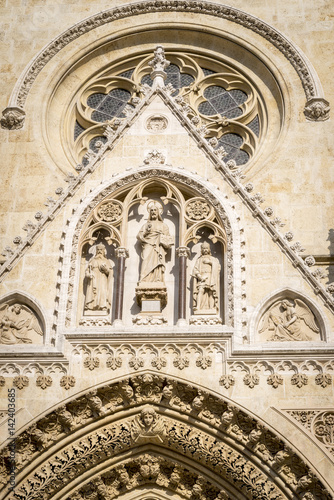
(205, 319)
(152, 298)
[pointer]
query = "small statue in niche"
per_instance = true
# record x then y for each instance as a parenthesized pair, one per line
(289, 320)
(17, 322)
(155, 240)
(99, 278)
(148, 425)
(206, 274)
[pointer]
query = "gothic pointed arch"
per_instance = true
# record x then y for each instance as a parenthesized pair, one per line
(149, 429)
(111, 216)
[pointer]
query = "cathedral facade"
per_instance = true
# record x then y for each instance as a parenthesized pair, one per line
(166, 271)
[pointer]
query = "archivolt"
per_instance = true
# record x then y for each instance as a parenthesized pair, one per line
(303, 67)
(151, 430)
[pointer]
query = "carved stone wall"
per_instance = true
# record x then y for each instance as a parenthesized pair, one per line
(200, 367)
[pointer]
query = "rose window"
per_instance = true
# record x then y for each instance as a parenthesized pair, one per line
(226, 103)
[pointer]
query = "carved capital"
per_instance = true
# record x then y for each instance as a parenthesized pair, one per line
(183, 252)
(12, 118)
(122, 252)
(317, 109)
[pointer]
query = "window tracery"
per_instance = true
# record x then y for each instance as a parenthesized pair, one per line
(225, 101)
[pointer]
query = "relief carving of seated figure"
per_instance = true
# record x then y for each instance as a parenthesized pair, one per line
(17, 323)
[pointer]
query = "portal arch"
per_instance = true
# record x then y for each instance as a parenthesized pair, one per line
(103, 438)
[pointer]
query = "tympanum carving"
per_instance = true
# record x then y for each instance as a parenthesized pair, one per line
(289, 320)
(19, 324)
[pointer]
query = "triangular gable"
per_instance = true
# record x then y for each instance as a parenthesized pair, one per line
(187, 118)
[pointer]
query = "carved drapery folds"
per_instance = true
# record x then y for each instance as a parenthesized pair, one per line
(238, 458)
(157, 225)
(20, 323)
(289, 319)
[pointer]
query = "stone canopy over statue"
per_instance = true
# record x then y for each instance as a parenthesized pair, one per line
(206, 275)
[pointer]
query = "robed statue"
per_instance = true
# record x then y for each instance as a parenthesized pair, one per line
(155, 241)
(206, 274)
(99, 277)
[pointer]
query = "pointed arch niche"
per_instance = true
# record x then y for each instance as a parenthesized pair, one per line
(181, 281)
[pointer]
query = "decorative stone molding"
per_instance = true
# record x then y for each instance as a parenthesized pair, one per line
(319, 423)
(154, 410)
(12, 118)
(297, 372)
(205, 320)
(148, 470)
(293, 54)
(148, 355)
(232, 177)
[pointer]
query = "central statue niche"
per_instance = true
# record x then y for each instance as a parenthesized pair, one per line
(155, 239)
(152, 254)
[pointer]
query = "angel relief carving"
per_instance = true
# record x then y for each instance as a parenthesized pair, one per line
(148, 426)
(19, 325)
(289, 320)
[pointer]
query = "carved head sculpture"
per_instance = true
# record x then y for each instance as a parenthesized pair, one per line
(101, 249)
(148, 416)
(205, 248)
(16, 308)
(285, 304)
(155, 210)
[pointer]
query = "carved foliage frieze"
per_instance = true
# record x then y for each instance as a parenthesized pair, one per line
(320, 423)
(149, 424)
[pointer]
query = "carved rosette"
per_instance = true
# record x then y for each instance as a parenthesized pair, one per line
(110, 211)
(198, 209)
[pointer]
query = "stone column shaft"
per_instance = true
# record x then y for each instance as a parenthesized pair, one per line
(183, 253)
(122, 253)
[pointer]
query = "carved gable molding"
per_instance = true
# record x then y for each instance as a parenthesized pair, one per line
(158, 412)
(232, 176)
(88, 218)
